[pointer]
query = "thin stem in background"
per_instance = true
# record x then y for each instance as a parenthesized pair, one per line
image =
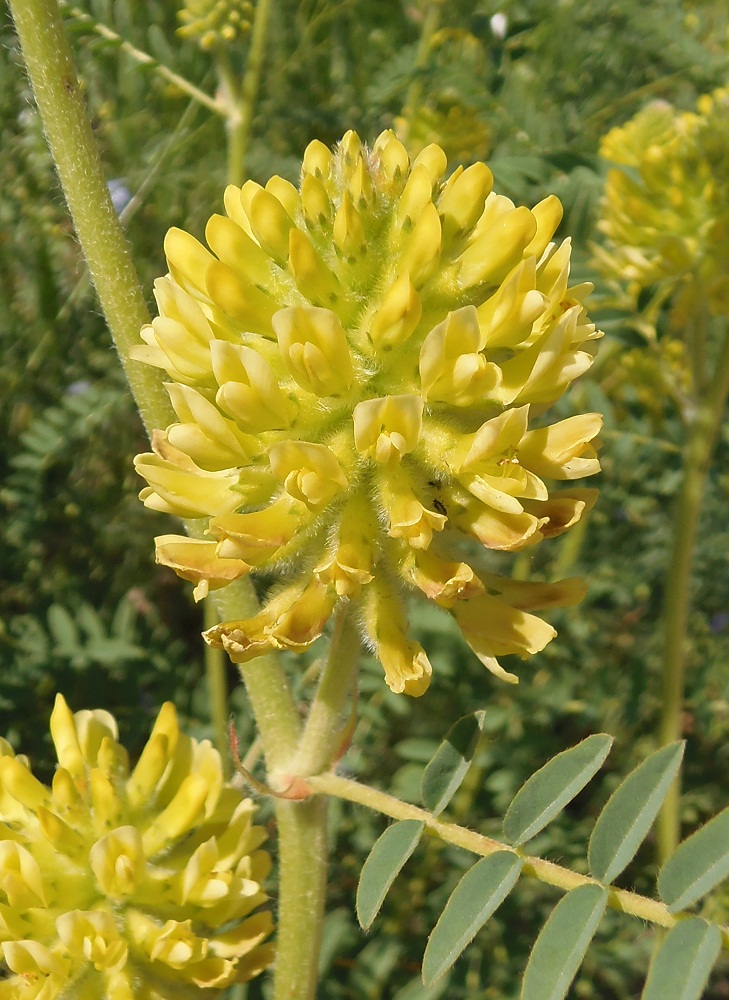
(702, 432)
(145, 59)
(241, 99)
(415, 90)
(215, 670)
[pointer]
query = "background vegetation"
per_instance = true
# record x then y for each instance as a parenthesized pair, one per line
(531, 85)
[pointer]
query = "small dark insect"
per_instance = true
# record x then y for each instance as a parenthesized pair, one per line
(440, 507)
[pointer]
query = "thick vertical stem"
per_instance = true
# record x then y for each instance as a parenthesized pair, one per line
(302, 827)
(50, 66)
(702, 433)
(273, 705)
(303, 857)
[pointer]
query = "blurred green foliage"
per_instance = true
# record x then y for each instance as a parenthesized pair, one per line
(532, 84)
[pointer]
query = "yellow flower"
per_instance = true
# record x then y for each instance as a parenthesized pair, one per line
(356, 364)
(215, 23)
(118, 884)
(665, 214)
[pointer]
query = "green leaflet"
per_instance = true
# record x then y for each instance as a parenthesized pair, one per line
(550, 788)
(445, 772)
(562, 943)
(387, 857)
(629, 813)
(700, 863)
(682, 965)
(481, 890)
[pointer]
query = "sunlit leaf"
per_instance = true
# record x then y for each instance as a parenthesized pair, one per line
(384, 863)
(682, 965)
(481, 890)
(549, 789)
(561, 946)
(700, 863)
(630, 811)
(445, 772)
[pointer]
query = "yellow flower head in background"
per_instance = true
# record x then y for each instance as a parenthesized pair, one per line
(127, 886)
(355, 368)
(215, 23)
(665, 213)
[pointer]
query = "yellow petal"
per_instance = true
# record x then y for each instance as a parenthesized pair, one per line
(270, 223)
(548, 214)
(315, 201)
(256, 536)
(492, 628)
(239, 298)
(442, 582)
(563, 450)
(310, 472)
(314, 346)
(490, 257)
(462, 202)
(231, 244)
(117, 860)
(198, 561)
(386, 429)
(249, 388)
(451, 367)
(397, 316)
(421, 253)
(313, 277)
(93, 937)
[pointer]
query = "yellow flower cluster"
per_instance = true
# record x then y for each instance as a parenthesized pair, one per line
(215, 22)
(452, 123)
(666, 208)
(354, 369)
(127, 886)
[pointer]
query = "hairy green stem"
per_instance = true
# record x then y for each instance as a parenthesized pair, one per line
(302, 831)
(323, 732)
(61, 104)
(303, 857)
(273, 705)
(50, 66)
(699, 448)
(651, 910)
